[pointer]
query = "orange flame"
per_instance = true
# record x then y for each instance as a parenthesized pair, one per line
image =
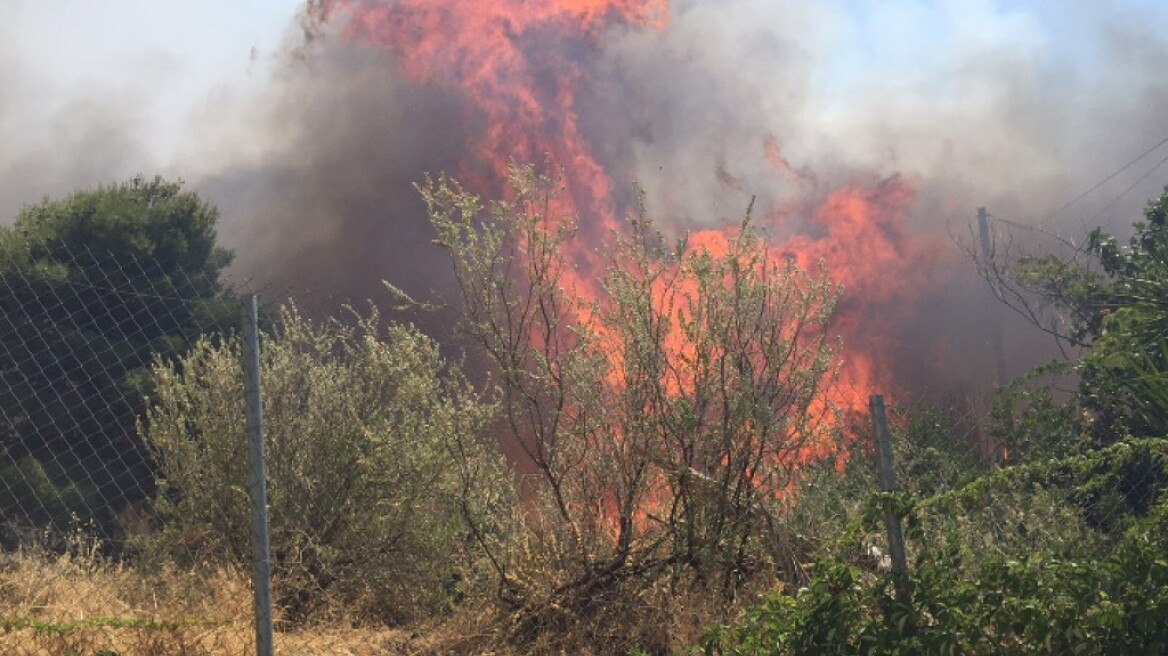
(862, 238)
(522, 101)
(516, 63)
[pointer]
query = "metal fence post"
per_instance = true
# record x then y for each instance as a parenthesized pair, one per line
(261, 561)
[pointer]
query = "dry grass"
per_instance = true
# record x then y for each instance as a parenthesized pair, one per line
(79, 605)
(653, 620)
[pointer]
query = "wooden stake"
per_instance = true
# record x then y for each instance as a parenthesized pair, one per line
(888, 484)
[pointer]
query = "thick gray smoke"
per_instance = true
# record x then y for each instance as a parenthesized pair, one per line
(973, 103)
(323, 204)
(1018, 109)
(83, 136)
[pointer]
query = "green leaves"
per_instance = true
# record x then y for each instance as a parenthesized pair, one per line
(973, 596)
(377, 465)
(1111, 300)
(92, 287)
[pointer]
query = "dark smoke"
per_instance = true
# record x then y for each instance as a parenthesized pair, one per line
(994, 117)
(327, 208)
(1018, 109)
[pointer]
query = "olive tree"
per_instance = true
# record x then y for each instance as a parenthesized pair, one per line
(374, 460)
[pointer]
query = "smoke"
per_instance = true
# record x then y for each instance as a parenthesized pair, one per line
(323, 202)
(1013, 106)
(52, 139)
(1018, 109)
(973, 104)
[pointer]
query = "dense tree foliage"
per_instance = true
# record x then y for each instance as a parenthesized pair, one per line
(376, 462)
(1112, 301)
(1052, 584)
(1127, 365)
(91, 288)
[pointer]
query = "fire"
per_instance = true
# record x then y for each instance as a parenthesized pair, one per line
(862, 239)
(512, 59)
(517, 65)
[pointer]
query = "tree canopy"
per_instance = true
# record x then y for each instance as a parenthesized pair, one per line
(92, 287)
(1130, 353)
(1110, 301)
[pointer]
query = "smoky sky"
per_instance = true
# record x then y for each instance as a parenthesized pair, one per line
(996, 119)
(313, 167)
(997, 116)
(85, 137)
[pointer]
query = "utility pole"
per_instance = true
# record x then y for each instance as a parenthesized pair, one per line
(992, 318)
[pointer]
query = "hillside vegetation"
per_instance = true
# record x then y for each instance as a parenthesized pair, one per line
(643, 462)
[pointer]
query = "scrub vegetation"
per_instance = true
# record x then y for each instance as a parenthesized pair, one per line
(645, 458)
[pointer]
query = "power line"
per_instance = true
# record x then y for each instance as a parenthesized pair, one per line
(1109, 178)
(1038, 226)
(1128, 190)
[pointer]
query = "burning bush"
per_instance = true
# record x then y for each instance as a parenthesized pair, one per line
(662, 398)
(363, 424)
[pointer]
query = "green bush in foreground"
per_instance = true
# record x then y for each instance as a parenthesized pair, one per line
(965, 603)
(374, 463)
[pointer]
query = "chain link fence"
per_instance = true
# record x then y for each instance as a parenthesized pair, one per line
(1013, 486)
(95, 558)
(80, 330)
(126, 520)
(1019, 471)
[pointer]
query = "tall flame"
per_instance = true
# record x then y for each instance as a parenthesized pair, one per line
(517, 66)
(512, 59)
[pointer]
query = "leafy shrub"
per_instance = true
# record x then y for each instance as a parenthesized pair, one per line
(934, 449)
(966, 599)
(374, 461)
(1029, 421)
(662, 402)
(1111, 300)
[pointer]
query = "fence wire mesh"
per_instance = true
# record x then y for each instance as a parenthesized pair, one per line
(100, 556)
(1014, 479)
(125, 518)
(80, 330)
